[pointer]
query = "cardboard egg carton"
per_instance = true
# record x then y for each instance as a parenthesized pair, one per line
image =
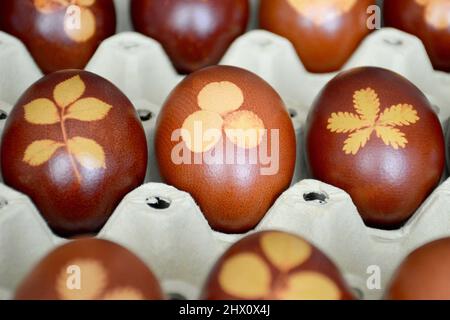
(165, 227)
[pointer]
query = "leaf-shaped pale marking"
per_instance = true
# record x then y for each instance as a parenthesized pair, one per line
(309, 285)
(88, 109)
(285, 251)
(423, 2)
(124, 293)
(437, 14)
(399, 115)
(343, 122)
(220, 97)
(322, 11)
(39, 152)
(391, 137)
(85, 3)
(357, 140)
(87, 152)
(202, 130)
(82, 30)
(244, 128)
(367, 104)
(69, 91)
(245, 276)
(93, 280)
(42, 112)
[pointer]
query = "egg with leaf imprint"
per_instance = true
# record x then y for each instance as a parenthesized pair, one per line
(275, 265)
(325, 33)
(375, 135)
(60, 34)
(428, 20)
(74, 144)
(90, 269)
(225, 136)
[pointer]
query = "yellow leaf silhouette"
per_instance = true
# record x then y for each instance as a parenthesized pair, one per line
(367, 104)
(391, 136)
(357, 140)
(69, 91)
(42, 112)
(85, 3)
(399, 115)
(86, 29)
(40, 152)
(343, 122)
(87, 152)
(368, 119)
(88, 109)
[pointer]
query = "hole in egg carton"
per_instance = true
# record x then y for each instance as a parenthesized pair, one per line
(145, 115)
(3, 203)
(395, 42)
(293, 113)
(176, 296)
(158, 203)
(263, 43)
(3, 115)
(316, 197)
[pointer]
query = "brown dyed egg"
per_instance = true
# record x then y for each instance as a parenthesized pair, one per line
(90, 269)
(429, 20)
(60, 34)
(194, 33)
(273, 265)
(224, 136)
(325, 33)
(372, 133)
(74, 144)
(423, 275)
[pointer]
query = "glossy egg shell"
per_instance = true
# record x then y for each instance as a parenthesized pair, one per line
(429, 21)
(194, 33)
(40, 24)
(423, 275)
(274, 265)
(90, 269)
(374, 134)
(75, 191)
(324, 33)
(233, 195)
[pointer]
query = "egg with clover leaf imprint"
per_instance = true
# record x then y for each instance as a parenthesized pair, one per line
(74, 144)
(429, 20)
(90, 269)
(274, 265)
(325, 33)
(224, 136)
(60, 34)
(374, 134)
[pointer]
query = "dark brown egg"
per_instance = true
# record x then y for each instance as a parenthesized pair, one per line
(423, 275)
(225, 137)
(427, 19)
(374, 134)
(273, 265)
(194, 33)
(74, 144)
(60, 34)
(325, 33)
(90, 269)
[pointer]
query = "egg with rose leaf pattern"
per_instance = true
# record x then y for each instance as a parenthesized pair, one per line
(74, 144)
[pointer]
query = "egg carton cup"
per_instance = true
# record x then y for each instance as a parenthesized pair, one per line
(177, 242)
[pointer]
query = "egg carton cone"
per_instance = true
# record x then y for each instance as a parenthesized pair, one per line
(176, 241)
